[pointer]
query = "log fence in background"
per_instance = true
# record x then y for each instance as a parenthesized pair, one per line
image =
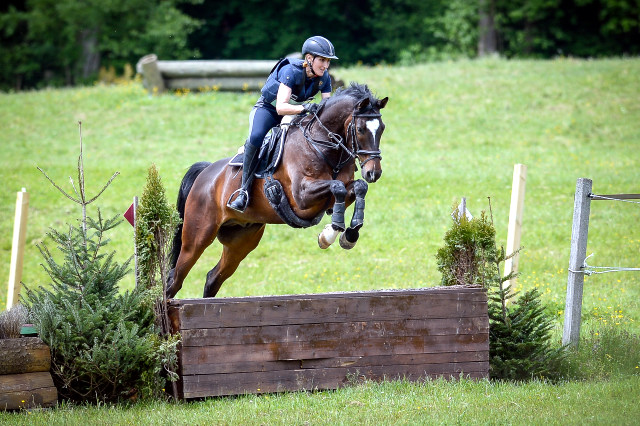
(227, 75)
(233, 346)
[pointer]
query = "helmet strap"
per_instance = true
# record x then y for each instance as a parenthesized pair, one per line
(310, 65)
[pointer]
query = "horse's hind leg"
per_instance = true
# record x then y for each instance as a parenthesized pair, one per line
(191, 250)
(237, 241)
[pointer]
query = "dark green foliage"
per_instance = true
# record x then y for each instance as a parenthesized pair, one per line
(469, 247)
(47, 42)
(102, 342)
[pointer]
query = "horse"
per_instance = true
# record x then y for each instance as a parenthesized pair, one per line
(315, 176)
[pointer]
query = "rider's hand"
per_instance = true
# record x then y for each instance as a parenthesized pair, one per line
(311, 108)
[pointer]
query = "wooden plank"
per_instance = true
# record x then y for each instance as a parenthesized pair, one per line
(447, 290)
(300, 311)
(27, 390)
(329, 331)
(337, 348)
(514, 230)
(24, 355)
(381, 360)
(317, 379)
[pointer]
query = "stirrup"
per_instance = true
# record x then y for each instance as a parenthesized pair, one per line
(238, 191)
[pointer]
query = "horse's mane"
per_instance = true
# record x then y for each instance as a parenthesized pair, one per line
(356, 91)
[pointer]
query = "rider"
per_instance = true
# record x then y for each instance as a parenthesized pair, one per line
(290, 84)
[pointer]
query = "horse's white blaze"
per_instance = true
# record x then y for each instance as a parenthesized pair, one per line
(327, 236)
(373, 126)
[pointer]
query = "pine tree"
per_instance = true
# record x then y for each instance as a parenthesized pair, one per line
(104, 344)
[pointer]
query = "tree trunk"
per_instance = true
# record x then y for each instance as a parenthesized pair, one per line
(90, 59)
(487, 40)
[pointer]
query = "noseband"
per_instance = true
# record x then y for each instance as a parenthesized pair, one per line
(336, 142)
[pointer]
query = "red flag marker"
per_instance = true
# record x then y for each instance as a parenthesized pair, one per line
(129, 215)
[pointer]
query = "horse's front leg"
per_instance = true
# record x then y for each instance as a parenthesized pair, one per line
(331, 231)
(349, 238)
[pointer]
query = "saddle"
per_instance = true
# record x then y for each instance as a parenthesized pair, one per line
(270, 153)
(269, 159)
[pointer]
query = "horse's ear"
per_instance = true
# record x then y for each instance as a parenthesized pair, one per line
(382, 103)
(362, 104)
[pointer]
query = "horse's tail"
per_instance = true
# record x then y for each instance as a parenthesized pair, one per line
(185, 188)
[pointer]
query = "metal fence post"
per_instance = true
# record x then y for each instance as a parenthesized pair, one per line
(579, 233)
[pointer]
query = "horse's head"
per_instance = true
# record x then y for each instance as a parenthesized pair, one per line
(365, 130)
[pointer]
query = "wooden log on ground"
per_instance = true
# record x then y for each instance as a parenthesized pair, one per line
(24, 355)
(27, 390)
(322, 341)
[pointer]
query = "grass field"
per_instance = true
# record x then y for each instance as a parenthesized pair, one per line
(452, 130)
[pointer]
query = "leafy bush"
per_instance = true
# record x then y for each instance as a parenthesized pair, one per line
(469, 247)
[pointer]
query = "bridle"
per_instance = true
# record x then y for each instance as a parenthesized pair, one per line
(336, 142)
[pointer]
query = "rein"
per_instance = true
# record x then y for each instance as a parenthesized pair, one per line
(336, 142)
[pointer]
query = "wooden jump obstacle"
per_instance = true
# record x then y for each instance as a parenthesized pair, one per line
(233, 346)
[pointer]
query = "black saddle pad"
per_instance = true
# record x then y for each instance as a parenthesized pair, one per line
(270, 152)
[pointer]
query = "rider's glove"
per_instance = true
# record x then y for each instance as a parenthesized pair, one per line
(311, 108)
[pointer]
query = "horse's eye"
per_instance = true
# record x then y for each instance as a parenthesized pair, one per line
(361, 130)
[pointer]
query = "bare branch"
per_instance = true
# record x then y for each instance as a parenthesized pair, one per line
(103, 188)
(58, 188)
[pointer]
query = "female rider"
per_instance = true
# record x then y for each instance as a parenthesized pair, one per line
(290, 84)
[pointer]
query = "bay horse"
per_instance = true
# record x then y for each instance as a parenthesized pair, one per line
(315, 176)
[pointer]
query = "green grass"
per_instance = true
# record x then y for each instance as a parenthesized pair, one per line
(436, 402)
(452, 130)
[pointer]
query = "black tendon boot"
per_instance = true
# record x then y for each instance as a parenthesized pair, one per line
(249, 164)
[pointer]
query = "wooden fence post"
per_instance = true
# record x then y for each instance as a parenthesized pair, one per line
(515, 220)
(579, 234)
(17, 247)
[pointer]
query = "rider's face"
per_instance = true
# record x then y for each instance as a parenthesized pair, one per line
(319, 65)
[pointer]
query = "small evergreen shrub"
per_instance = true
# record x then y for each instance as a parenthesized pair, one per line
(519, 333)
(520, 338)
(101, 341)
(155, 223)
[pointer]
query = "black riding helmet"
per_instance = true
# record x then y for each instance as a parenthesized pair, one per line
(319, 46)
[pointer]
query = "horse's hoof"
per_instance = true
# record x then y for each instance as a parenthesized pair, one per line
(327, 237)
(349, 239)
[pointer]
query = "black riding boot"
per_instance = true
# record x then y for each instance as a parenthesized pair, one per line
(249, 164)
